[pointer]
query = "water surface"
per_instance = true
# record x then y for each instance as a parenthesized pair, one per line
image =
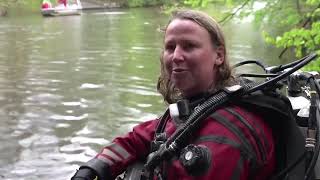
(68, 85)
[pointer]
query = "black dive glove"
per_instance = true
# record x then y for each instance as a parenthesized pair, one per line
(84, 174)
(92, 169)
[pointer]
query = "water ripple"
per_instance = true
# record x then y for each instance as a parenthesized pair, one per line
(69, 118)
(91, 86)
(88, 140)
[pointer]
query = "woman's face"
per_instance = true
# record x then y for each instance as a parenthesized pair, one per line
(189, 57)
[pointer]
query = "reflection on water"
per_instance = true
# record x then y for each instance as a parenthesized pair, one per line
(68, 85)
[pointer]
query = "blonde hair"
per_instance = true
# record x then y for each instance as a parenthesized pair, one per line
(224, 74)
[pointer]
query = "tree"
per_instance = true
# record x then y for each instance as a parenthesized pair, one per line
(300, 19)
(297, 22)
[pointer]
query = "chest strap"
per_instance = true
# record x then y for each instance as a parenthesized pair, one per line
(247, 148)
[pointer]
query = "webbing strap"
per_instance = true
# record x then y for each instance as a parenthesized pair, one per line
(233, 128)
(227, 141)
(254, 133)
(162, 122)
(239, 168)
(244, 154)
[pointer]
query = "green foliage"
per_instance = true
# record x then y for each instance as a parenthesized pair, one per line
(143, 3)
(312, 2)
(25, 3)
(307, 40)
(135, 3)
(302, 29)
(170, 5)
(196, 3)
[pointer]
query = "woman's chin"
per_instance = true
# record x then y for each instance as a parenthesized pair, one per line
(187, 92)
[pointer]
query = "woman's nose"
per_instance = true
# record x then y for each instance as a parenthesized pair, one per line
(178, 54)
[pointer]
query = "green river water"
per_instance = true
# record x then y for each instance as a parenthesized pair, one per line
(68, 85)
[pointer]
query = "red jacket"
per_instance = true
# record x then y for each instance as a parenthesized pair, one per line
(242, 147)
(64, 2)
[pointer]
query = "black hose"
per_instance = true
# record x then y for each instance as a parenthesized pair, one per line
(301, 63)
(251, 62)
(213, 101)
(257, 75)
(289, 65)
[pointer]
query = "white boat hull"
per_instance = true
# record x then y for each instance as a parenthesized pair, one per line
(60, 12)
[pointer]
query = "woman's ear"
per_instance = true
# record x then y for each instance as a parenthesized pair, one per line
(220, 55)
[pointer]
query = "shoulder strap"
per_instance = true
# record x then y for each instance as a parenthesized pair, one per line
(249, 153)
(162, 122)
(159, 135)
(279, 115)
(257, 138)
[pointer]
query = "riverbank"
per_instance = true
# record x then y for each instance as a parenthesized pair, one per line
(6, 5)
(95, 4)
(99, 4)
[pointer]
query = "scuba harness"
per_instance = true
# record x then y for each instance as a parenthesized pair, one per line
(297, 146)
(295, 158)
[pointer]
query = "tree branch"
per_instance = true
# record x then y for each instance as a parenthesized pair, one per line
(303, 26)
(230, 16)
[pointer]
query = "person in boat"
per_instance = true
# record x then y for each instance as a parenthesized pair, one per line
(62, 2)
(46, 4)
(236, 141)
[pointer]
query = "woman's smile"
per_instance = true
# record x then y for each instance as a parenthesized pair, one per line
(179, 70)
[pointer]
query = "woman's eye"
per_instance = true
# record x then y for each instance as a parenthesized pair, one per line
(189, 46)
(170, 47)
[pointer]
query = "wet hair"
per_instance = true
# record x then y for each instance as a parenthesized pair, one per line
(224, 73)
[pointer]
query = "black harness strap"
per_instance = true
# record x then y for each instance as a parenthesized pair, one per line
(237, 172)
(225, 140)
(234, 129)
(162, 122)
(254, 133)
(246, 144)
(289, 141)
(160, 138)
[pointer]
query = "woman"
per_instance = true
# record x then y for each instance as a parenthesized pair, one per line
(64, 2)
(194, 65)
(46, 4)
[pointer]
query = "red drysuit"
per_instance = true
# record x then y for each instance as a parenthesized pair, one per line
(64, 2)
(240, 142)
